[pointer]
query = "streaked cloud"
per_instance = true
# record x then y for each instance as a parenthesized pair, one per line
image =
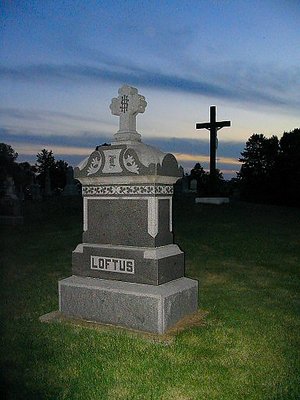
(273, 86)
(32, 150)
(74, 154)
(202, 158)
(24, 114)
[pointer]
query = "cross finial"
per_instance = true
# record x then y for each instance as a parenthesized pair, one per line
(126, 106)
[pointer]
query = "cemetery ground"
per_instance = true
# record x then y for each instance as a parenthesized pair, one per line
(245, 345)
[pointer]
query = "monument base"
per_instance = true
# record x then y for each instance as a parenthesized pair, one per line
(136, 306)
(212, 200)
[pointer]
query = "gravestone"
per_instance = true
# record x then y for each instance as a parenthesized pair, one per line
(71, 189)
(47, 189)
(127, 271)
(10, 205)
(185, 184)
(35, 191)
(193, 185)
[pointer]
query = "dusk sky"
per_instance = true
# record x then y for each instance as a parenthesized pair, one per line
(63, 61)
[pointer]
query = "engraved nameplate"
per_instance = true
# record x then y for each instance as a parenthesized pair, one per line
(120, 265)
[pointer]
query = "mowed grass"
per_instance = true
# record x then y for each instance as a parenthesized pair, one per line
(247, 260)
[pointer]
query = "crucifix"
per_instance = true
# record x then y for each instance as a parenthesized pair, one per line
(126, 106)
(213, 126)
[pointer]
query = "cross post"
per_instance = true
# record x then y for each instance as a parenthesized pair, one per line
(213, 126)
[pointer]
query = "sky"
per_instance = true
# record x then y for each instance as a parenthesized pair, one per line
(61, 63)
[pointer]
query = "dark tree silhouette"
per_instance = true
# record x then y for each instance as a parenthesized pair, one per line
(271, 169)
(45, 160)
(8, 158)
(59, 174)
(57, 169)
(288, 168)
(203, 181)
(7, 153)
(257, 172)
(198, 171)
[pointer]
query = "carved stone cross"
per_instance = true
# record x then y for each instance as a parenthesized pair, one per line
(126, 106)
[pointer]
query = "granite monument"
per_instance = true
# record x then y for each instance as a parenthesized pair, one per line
(127, 271)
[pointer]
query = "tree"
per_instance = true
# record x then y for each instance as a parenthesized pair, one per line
(8, 157)
(7, 153)
(288, 168)
(45, 161)
(59, 174)
(271, 169)
(198, 171)
(57, 170)
(259, 156)
(259, 164)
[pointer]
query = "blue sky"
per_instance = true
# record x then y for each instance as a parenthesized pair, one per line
(61, 62)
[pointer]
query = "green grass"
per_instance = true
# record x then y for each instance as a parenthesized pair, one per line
(247, 260)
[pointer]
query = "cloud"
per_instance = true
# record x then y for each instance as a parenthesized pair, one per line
(32, 150)
(90, 140)
(42, 115)
(204, 159)
(235, 82)
(82, 139)
(194, 147)
(73, 149)
(73, 155)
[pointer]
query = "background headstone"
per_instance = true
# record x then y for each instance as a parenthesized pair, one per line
(47, 189)
(193, 185)
(71, 188)
(10, 204)
(35, 191)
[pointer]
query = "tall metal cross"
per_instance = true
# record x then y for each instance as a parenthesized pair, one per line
(213, 126)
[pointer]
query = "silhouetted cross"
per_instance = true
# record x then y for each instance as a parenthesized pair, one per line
(213, 126)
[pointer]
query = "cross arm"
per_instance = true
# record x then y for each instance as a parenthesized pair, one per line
(205, 125)
(222, 124)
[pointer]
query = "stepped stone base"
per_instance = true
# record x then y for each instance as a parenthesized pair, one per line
(132, 305)
(151, 266)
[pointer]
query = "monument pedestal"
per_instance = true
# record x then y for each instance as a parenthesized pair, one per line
(153, 266)
(131, 305)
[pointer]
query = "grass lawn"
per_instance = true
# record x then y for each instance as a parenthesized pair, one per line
(247, 260)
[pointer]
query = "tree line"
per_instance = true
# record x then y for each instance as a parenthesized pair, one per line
(25, 174)
(270, 170)
(269, 173)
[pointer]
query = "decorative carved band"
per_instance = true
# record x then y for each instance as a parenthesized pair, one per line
(145, 190)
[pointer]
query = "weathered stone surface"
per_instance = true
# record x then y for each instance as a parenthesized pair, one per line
(126, 106)
(128, 221)
(142, 307)
(153, 266)
(133, 159)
